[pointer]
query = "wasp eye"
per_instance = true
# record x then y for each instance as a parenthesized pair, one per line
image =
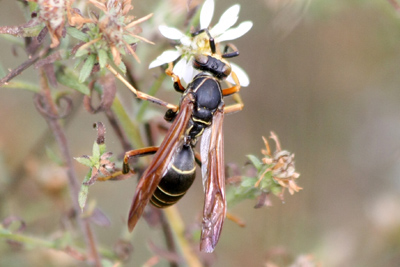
(201, 59)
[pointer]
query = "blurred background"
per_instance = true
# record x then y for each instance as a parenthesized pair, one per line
(324, 77)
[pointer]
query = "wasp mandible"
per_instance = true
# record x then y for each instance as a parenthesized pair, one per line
(200, 113)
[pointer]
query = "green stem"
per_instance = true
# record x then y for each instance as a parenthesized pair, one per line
(131, 127)
(152, 91)
(22, 85)
(35, 242)
(32, 241)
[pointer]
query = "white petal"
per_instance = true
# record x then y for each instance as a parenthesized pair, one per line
(241, 74)
(170, 32)
(180, 68)
(235, 33)
(206, 14)
(186, 41)
(188, 77)
(227, 20)
(166, 57)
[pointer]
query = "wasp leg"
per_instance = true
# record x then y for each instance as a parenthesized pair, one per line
(137, 153)
(234, 53)
(177, 82)
(139, 94)
(233, 89)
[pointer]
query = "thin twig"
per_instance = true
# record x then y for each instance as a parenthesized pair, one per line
(18, 70)
(72, 178)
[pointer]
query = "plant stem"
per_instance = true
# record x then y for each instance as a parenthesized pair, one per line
(178, 228)
(130, 127)
(152, 91)
(72, 178)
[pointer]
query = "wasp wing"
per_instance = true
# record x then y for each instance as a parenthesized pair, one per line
(153, 174)
(215, 203)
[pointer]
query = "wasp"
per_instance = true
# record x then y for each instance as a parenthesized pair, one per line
(200, 113)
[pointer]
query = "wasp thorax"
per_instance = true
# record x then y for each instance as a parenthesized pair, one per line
(212, 64)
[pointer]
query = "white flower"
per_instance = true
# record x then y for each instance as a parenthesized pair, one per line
(189, 45)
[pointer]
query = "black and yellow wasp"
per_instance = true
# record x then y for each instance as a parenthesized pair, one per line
(200, 113)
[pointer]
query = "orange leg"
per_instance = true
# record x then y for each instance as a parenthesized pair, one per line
(139, 94)
(137, 153)
(177, 82)
(233, 89)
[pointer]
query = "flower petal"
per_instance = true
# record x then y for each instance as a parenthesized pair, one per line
(235, 33)
(188, 77)
(241, 74)
(186, 41)
(227, 20)
(170, 32)
(166, 57)
(206, 14)
(180, 68)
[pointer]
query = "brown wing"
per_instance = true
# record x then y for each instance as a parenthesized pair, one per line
(214, 204)
(153, 174)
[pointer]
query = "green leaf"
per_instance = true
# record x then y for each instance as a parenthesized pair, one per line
(122, 67)
(87, 161)
(83, 193)
(15, 40)
(87, 68)
(33, 31)
(103, 57)
(81, 52)
(248, 182)
(68, 78)
(255, 161)
(22, 85)
(102, 148)
(77, 34)
(130, 39)
(96, 154)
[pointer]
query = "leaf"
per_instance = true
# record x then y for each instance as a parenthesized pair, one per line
(81, 52)
(255, 161)
(102, 148)
(130, 39)
(122, 67)
(68, 78)
(248, 182)
(22, 85)
(103, 58)
(96, 154)
(33, 31)
(77, 34)
(83, 193)
(85, 160)
(87, 68)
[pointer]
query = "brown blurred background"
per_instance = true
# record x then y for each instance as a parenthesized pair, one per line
(324, 77)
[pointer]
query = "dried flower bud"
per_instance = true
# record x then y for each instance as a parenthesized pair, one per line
(51, 12)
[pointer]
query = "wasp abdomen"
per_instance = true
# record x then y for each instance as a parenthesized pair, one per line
(177, 180)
